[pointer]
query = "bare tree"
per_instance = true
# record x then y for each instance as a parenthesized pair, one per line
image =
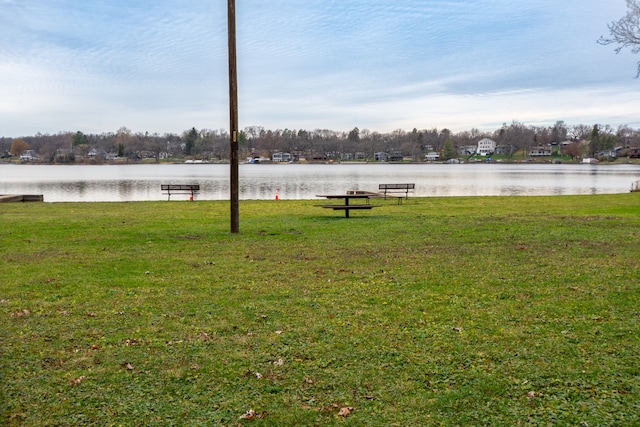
(626, 31)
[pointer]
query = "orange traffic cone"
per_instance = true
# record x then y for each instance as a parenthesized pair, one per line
(191, 196)
(277, 198)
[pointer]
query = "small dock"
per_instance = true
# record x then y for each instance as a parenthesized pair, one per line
(9, 198)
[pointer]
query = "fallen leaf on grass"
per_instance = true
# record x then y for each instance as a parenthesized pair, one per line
(204, 336)
(24, 312)
(4, 301)
(345, 412)
(279, 361)
(308, 380)
(127, 365)
(252, 415)
(78, 380)
(249, 415)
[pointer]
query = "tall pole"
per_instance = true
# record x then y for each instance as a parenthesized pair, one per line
(233, 107)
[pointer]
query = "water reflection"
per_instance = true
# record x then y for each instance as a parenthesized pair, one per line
(142, 182)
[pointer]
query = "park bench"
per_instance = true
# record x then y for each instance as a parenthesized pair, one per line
(395, 188)
(189, 189)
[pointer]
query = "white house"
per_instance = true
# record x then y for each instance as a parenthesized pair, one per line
(29, 155)
(542, 150)
(486, 147)
(432, 156)
(281, 157)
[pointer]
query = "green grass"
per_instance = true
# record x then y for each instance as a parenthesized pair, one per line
(441, 311)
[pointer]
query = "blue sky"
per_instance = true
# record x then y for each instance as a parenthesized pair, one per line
(161, 66)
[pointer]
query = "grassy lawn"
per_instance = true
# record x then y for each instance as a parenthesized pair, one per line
(441, 311)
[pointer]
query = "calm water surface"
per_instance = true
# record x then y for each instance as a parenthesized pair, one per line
(293, 181)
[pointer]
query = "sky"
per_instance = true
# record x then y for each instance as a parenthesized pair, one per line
(161, 66)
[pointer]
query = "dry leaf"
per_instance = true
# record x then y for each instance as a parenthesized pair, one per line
(279, 361)
(258, 375)
(24, 312)
(308, 380)
(345, 412)
(78, 380)
(249, 415)
(278, 332)
(127, 365)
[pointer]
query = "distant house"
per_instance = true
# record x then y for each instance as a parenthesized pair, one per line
(432, 156)
(504, 149)
(467, 150)
(540, 151)
(29, 155)
(633, 153)
(611, 154)
(281, 157)
(395, 156)
(380, 156)
(486, 146)
(97, 153)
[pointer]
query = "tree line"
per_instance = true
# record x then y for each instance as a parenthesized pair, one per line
(319, 144)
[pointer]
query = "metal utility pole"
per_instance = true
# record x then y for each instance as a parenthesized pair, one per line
(233, 107)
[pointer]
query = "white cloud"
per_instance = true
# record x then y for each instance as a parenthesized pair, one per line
(375, 64)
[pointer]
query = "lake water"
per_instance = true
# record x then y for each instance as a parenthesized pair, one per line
(297, 181)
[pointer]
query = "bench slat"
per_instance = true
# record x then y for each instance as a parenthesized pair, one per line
(397, 187)
(341, 207)
(179, 187)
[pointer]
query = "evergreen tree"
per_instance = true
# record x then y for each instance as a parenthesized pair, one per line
(448, 150)
(354, 135)
(192, 137)
(594, 141)
(80, 138)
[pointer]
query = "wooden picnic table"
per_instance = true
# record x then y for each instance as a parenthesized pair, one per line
(347, 197)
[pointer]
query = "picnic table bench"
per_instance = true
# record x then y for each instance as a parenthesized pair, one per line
(347, 207)
(395, 188)
(190, 189)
